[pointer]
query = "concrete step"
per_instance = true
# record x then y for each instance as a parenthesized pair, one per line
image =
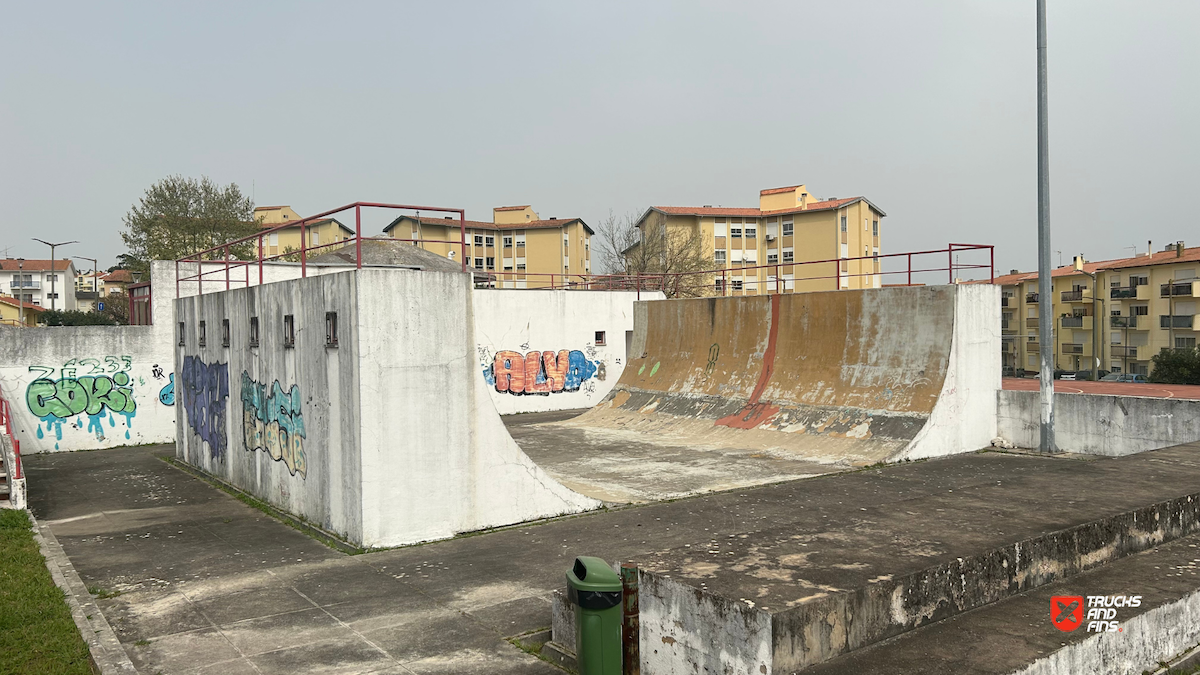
(882, 558)
(1015, 635)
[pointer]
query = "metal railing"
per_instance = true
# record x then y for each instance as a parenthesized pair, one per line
(1072, 348)
(1168, 321)
(34, 284)
(1031, 322)
(1124, 351)
(1031, 297)
(6, 427)
(1033, 347)
(1123, 321)
(1170, 290)
(1122, 292)
(1072, 296)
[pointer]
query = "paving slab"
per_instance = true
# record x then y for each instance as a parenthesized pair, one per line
(480, 589)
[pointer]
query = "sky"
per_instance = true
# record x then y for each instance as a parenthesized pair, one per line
(925, 107)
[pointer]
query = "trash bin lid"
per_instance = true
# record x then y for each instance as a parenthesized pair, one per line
(590, 573)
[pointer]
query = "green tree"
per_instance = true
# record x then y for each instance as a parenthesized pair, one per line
(75, 317)
(1176, 366)
(179, 216)
(116, 307)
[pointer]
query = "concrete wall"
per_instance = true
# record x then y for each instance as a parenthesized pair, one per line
(1098, 424)
(390, 438)
(515, 325)
(277, 422)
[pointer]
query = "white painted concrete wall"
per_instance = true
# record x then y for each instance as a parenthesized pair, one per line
(1098, 424)
(964, 417)
(527, 321)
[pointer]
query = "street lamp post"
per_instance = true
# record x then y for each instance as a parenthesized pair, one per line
(53, 272)
(1045, 286)
(20, 294)
(95, 272)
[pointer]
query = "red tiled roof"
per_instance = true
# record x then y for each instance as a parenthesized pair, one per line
(1159, 258)
(11, 264)
(481, 225)
(511, 208)
(755, 213)
(311, 223)
(779, 190)
(269, 208)
(118, 276)
(17, 303)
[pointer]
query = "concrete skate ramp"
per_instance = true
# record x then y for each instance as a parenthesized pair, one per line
(845, 377)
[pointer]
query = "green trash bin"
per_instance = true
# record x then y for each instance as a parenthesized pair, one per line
(595, 591)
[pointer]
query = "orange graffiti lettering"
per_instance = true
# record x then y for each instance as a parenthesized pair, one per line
(509, 369)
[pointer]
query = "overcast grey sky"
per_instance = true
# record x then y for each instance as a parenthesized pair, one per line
(925, 107)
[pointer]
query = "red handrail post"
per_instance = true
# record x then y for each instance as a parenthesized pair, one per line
(777, 280)
(638, 281)
(358, 236)
(910, 269)
(303, 250)
(462, 233)
(950, 259)
(991, 264)
(227, 267)
(724, 283)
(260, 261)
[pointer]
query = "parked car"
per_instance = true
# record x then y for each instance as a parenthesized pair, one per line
(1112, 377)
(1066, 376)
(1124, 377)
(1087, 374)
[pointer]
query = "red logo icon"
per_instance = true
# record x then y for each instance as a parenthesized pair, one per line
(1066, 612)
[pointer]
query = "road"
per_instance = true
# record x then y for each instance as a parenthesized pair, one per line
(1113, 388)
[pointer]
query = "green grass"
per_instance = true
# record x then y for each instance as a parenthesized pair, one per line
(37, 634)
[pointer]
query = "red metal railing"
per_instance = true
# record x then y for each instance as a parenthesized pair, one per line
(305, 248)
(6, 421)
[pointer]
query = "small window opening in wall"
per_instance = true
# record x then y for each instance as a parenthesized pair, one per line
(331, 329)
(289, 331)
(600, 338)
(254, 331)
(182, 341)
(224, 332)
(203, 335)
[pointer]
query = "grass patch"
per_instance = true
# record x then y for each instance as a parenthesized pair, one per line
(37, 633)
(102, 593)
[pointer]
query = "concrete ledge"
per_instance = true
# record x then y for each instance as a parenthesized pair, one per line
(715, 624)
(106, 651)
(1100, 424)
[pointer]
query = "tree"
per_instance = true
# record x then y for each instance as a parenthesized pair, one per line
(1176, 366)
(179, 216)
(128, 262)
(674, 259)
(75, 317)
(116, 307)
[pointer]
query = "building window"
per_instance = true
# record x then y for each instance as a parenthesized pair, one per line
(737, 284)
(735, 231)
(787, 256)
(600, 338)
(331, 329)
(772, 258)
(875, 228)
(224, 332)
(479, 263)
(182, 342)
(1140, 310)
(289, 331)
(520, 267)
(787, 228)
(203, 339)
(751, 232)
(491, 263)
(316, 238)
(520, 240)
(843, 223)
(508, 241)
(719, 255)
(479, 240)
(489, 241)
(720, 285)
(508, 268)
(254, 331)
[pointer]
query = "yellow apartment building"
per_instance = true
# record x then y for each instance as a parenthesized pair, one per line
(318, 232)
(1146, 303)
(521, 249)
(789, 226)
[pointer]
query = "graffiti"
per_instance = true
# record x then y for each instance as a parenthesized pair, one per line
(156, 371)
(84, 387)
(541, 373)
(273, 422)
(166, 395)
(205, 391)
(713, 352)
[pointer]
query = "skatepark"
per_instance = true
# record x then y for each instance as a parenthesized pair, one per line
(799, 489)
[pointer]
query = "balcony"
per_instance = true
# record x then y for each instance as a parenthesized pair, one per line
(1007, 326)
(1033, 347)
(35, 284)
(1078, 322)
(1031, 297)
(1008, 347)
(1167, 321)
(1175, 290)
(1072, 348)
(1123, 321)
(1072, 296)
(1004, 301)
(1123, 293)
(1124, 352)
(1031, 322)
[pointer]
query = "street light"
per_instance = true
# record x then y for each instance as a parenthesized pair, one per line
(53, 273)
(95, 272)
(1045, 287)
(21, 295)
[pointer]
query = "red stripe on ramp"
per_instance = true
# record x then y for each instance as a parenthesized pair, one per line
(755, 413)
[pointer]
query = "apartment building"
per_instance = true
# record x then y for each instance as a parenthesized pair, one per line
(789, 226)
(35, 283)
(1146, 303)
(317, 232)
(15, 313)
(518, 249)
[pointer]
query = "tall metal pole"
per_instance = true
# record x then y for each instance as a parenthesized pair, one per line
(1045, 285)
(20, 291)
(53, 273)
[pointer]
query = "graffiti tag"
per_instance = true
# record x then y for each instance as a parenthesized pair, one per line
(205, 391)
(84, 387)
(540, 373)
(166, 395)
(273, 422)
